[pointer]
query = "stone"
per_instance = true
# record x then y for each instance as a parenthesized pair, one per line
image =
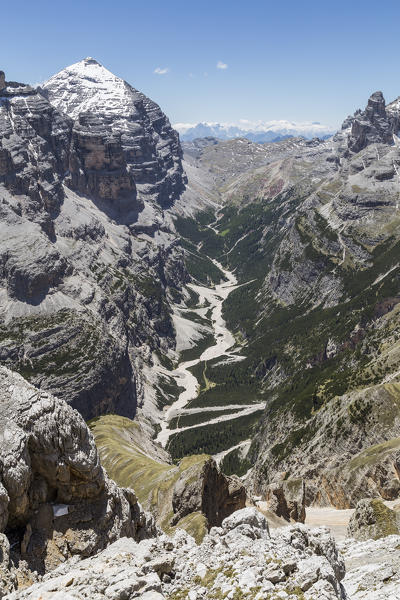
(231, 564)
(372, 568)
(246, 516)
(2, 80)
(205, 488)
(371, 519)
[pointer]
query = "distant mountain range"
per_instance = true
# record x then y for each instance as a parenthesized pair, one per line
(259, 131)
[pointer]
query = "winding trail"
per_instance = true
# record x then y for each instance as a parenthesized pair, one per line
(223, 347)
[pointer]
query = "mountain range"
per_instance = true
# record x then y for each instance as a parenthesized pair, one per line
(190, 327)
(260, 132)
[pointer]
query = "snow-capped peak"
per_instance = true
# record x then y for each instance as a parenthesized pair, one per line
(88, 86)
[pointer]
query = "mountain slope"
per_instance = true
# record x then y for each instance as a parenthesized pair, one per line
(314, 236)
(87, 256)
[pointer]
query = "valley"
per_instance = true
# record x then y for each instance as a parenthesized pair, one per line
(196, 339)
(177, 417)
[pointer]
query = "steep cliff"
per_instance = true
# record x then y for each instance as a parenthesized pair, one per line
(88, 260)
(192, 495)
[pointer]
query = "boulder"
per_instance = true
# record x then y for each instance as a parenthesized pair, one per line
(287, 499)
(246, 516)
(372, 519)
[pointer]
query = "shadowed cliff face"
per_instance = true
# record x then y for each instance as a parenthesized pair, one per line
(87, 257)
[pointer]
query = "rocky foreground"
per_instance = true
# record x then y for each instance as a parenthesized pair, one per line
(238, 560)
(67, 525)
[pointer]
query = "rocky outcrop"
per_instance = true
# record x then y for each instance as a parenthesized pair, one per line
(204, 488)
(240, 558)
(56, 500)
(373, 520)
(287, 499)
(373, 125)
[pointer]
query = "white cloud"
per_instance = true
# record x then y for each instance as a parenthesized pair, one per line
(221, 65)
(160, 71)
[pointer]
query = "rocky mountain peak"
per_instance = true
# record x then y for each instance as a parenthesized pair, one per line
(371, 126)
(124, 143)
(88, 85)
(2, 80)
(376, 105)
(89, 60)
(72, 190)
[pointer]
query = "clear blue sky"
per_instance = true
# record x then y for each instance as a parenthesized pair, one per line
(286, 59)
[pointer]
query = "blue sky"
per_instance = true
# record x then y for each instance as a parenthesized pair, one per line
(299, 60)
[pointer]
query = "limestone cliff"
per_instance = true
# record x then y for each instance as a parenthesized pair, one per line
(88, 260)
(56, 501)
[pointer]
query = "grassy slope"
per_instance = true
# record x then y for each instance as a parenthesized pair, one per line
(126, 461)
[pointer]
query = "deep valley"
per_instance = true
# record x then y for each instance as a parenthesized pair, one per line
(199, 342)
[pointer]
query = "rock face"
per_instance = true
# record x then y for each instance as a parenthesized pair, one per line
(372, 126)
(88, 259)
(238, 558)
(288, 500)
(121, 139)
(56, 500)
(373, 520)
(204, 488)
(34, 150)
(372, 568)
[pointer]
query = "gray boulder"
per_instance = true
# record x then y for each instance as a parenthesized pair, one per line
(372, 519)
